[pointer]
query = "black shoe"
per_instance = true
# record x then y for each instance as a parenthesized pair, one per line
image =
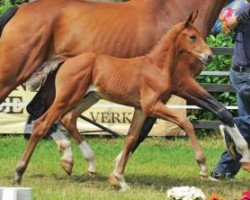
(216, 176)
(230, 145)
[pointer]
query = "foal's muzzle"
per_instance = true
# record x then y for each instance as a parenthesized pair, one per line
(206, 58)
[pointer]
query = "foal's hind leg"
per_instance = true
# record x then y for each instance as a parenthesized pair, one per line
(117, 177)
(66, 99)
(38, 106)
(69, 122)
(40, 129)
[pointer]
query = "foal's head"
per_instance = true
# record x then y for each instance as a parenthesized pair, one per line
(190, 40)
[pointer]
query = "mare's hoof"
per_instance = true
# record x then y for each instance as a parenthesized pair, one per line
(67, 166)
(113, 181)
(246, 166)
(92, 174)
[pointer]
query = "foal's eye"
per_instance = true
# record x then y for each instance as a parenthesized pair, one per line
(193, 38)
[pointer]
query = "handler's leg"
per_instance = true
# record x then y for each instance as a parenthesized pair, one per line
(241, 83)
(228, 166)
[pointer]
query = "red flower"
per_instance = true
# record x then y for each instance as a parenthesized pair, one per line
(246, 195)
(215, 197)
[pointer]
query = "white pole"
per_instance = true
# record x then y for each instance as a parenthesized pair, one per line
(12, 193)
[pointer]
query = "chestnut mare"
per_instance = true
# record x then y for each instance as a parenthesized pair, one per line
(71, 27)
(144, 82)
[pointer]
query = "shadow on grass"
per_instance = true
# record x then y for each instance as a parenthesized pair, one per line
(155, 182)
(166, 181)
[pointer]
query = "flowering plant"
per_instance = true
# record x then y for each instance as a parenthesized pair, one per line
(246, 195)
(185, 193)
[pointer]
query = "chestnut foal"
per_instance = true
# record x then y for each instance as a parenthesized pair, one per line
(145, 82)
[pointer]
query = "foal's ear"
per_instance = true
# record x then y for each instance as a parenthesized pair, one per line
(195, 15)
(191, 18)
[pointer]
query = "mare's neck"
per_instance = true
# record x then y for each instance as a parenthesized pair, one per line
(169, 12)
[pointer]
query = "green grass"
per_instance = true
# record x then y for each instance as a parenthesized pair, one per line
(157, 166)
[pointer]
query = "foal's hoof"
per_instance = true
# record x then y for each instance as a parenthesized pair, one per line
(203, 176)
(113, 181)
(246, 166)
(125, 188)
(67, 166)
(92, 174)
(18, 179)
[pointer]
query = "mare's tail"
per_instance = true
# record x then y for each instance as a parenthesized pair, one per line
(7, 17)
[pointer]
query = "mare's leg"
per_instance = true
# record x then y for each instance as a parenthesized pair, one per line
(69, 122)
(161, 111)
(146, 128)
(117, 177)
(64, 146)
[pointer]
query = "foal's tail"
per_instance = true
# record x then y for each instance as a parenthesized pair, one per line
(7, 17)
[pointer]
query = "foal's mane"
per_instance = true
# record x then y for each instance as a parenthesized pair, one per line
(170, 37)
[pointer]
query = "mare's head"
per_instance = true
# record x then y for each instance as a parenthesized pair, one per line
(190, 40)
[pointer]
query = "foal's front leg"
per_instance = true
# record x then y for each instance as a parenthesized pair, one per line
(117, 177)
(159, 110)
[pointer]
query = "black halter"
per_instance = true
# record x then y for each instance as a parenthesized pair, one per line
(14, 2)
(6, 17)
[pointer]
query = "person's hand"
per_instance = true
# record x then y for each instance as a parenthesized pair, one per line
(243, 17)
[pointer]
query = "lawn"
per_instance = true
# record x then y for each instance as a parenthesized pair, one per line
(158, 165)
